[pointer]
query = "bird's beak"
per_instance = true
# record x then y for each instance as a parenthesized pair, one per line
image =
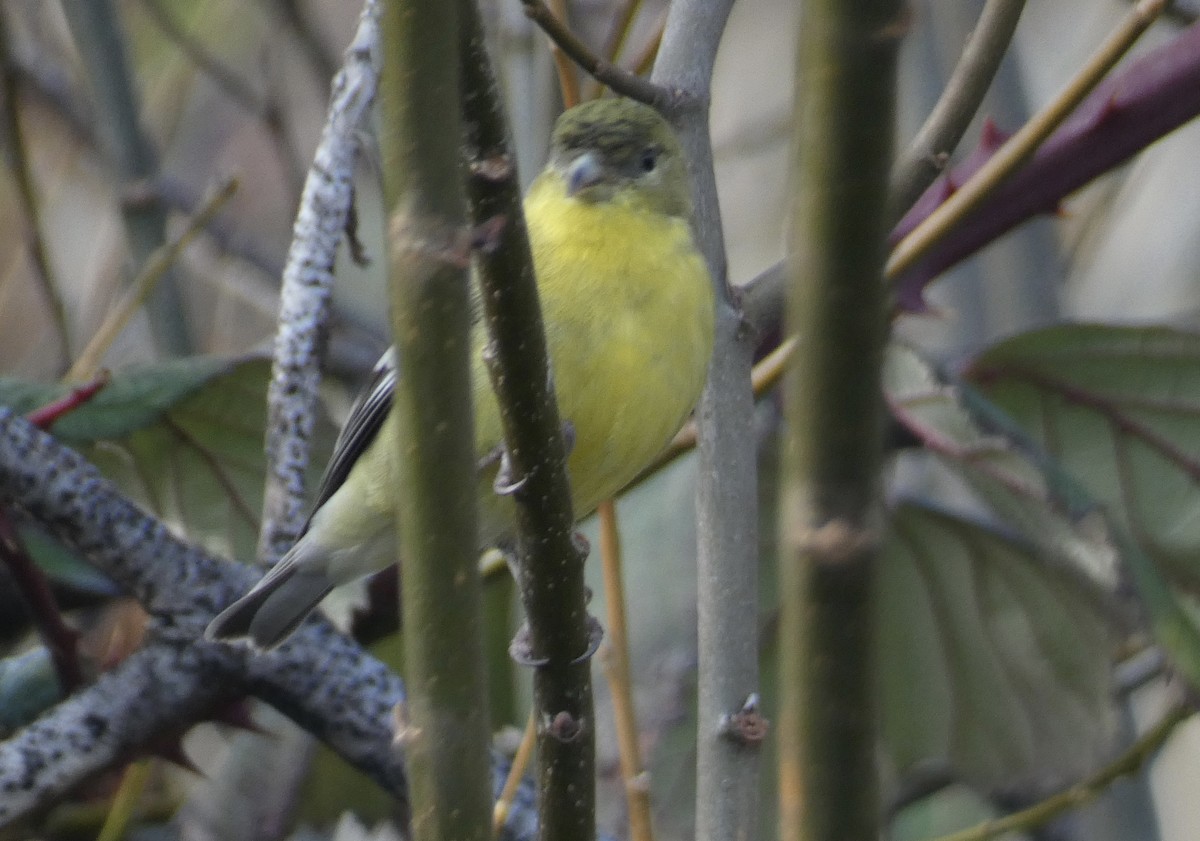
(583, 172)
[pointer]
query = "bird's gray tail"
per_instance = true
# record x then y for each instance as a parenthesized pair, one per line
(274, 608)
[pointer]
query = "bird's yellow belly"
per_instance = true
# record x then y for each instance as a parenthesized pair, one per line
(629, 332)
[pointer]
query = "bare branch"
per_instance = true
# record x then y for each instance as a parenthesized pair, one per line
(550, 568)
(620, 80)
(726, 510)
(321, 679)
(929, 151)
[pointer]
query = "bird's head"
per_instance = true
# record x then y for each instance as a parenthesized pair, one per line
(622, 151)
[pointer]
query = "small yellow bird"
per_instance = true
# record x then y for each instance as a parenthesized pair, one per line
(627, 304)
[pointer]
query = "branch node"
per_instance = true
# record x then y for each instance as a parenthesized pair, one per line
(564, 727)
(836, 542)
(494, 169)
(404, 733)
(418, 241)
(747, 726)
(139, 193)
(486, 237)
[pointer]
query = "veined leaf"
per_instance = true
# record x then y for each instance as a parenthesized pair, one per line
(1119, 408)
(990, 659)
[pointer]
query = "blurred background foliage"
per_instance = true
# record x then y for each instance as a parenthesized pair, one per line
(999, 627)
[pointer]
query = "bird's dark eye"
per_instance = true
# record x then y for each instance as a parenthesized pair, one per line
(649, 160)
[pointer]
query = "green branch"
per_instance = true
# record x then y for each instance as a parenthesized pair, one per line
(443, 728)
(830, 508)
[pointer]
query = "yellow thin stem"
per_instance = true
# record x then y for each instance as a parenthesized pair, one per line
(156, 266)
(568, 78)
(617, 36)
(644, 61)
(616, 669)
(515, 773)
(1024, 143)
(124, 804)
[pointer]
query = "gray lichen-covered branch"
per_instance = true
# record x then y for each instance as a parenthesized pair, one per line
(307, 286)
(323, 680)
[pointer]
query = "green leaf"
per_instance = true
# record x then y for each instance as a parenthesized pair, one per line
(28, 685)
(183, 438)
(990, 658)
(1117, 408)
(1015, 480)
(995, 643)
(130, 401)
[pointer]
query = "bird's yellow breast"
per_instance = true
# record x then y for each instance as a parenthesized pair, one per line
(628, 311)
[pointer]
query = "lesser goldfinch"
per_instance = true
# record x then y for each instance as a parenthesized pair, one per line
(627, 304)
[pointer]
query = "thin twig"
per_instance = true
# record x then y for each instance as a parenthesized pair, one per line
(516, 773)
(20, 166)
(559, 636)
(156, 266)
(929, 151)
(124, 804)
(304, 299)
(227, 80)
(235, 87)
(297, 16)
(644, 60)
(616, 667)
(60, 640)
(1129, 762)
(45, 416)
(727, 772)
(1024, 143)
(621, 81)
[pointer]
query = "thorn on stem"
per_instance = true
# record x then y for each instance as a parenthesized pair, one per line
(358, 251)
(582, 546)
(595, 637)
(505, 484)
(521, 649)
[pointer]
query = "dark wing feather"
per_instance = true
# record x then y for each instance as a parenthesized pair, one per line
(366, 416)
